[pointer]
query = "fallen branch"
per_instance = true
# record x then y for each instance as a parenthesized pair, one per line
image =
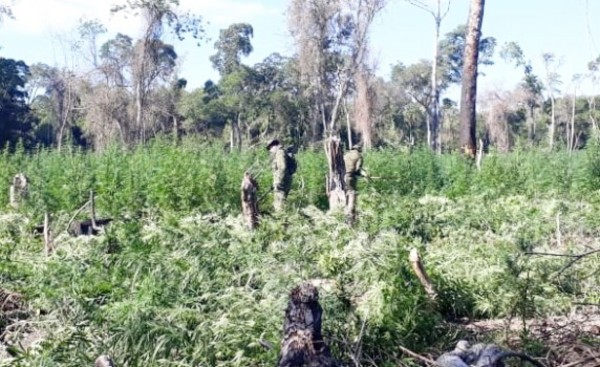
(417, 356)
(575, 257)
(419, 269)
(576, 363)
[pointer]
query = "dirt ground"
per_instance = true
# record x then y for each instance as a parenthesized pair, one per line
(567, 341)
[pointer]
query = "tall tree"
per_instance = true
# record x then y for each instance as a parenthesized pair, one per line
(594, 77)
(15, 122)
(233, 43)
(433, 116)
(468, 102)
(531, 86)
(236, 79)
(60, 89)
(331, 39)
(552, 80)
(148, 53)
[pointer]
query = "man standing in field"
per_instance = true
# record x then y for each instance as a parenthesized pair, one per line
(353, 165)
(283, 168)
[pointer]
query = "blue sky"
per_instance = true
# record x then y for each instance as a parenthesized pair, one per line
(566, 28)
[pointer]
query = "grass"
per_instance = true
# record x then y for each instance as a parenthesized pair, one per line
(178, 281)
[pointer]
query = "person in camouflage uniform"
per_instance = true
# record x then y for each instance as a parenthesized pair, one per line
(353, 166)
(282, 177)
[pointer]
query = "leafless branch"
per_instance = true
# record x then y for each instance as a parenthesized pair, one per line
(417, 356)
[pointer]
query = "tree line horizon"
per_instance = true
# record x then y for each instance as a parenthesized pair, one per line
(130, 90)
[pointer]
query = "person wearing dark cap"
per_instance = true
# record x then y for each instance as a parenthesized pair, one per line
(353, 165)
(282, 174)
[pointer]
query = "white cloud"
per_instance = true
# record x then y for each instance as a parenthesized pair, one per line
(225, 12)
(43, 16)
(34, 16)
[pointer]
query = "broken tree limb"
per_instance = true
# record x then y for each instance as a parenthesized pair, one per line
(419, 269)
(249, 194)
(429, 362)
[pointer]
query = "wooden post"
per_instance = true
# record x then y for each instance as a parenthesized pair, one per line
(47, 239)
(249, 194)
(336, 190)
(419, 269)
(94, 227)
(479, 155)
(302, 343)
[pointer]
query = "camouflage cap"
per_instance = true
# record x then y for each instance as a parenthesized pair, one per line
(272, 143)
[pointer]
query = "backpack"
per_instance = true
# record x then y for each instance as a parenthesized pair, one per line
(290, 162)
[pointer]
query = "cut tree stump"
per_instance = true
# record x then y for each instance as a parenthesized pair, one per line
(302, 344)
(336, 190)
(250, 200)
(18, 190)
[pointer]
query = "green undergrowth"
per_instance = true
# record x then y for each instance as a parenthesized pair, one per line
(176, 280)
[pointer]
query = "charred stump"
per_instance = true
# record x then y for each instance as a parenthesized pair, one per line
(250, 200)
(87, 227)
(90, 227)
(336, 187)
(302, 344)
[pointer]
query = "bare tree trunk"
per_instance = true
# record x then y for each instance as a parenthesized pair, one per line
(572, 135)
(468, 102)
(238, 132)
(65, 110)
(348, 126)
(433, 107)
(336, 106)
(592, 110)
(552, 129)
(139, 108)
(435, 101)
(364, 107)
(175, 129)
(530, 124)
(250, 201)
(336, 189)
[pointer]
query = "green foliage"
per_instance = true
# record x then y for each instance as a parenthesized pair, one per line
(177, 280)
